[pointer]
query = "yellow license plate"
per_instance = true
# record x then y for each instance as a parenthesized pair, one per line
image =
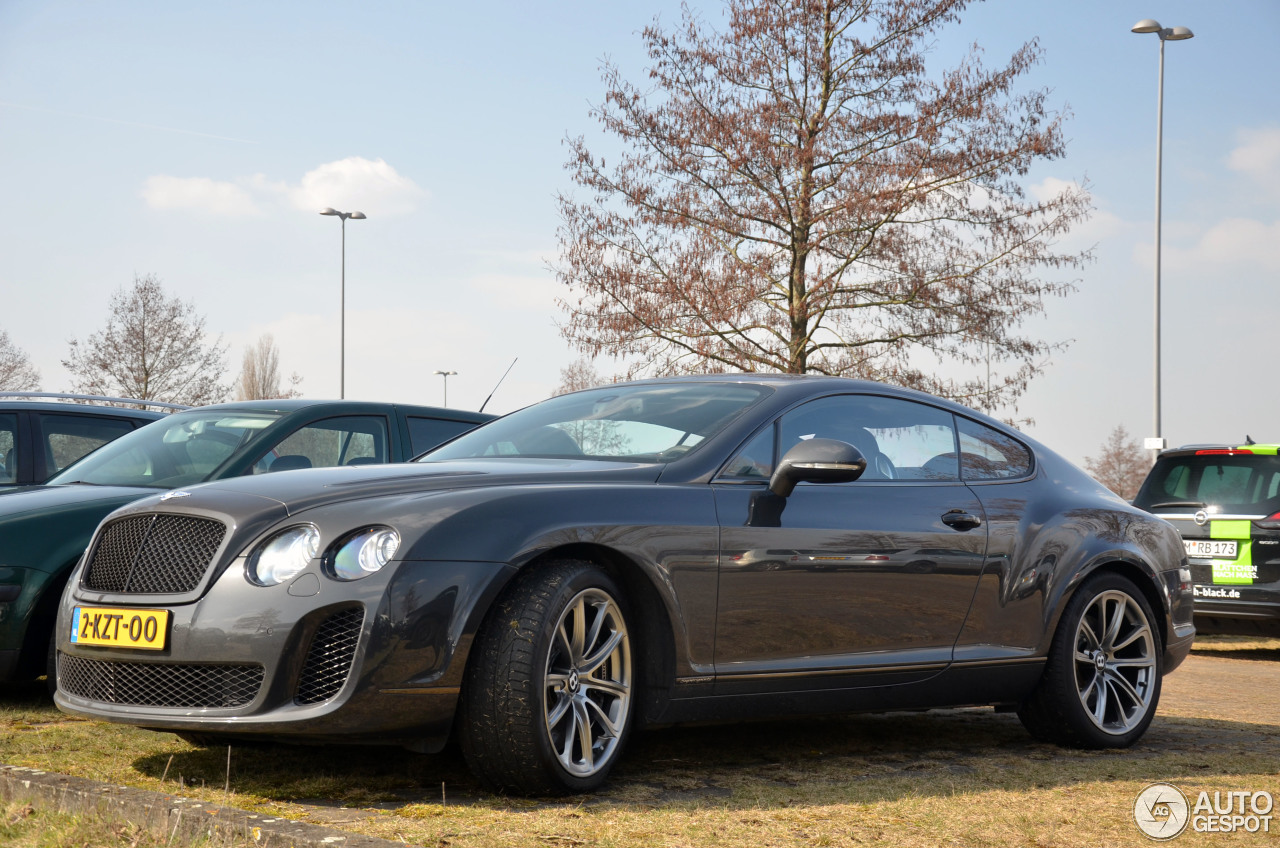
(122, 628)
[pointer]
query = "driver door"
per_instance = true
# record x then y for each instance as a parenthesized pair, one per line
(848, 584)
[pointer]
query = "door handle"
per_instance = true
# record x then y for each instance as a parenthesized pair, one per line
(958, 519)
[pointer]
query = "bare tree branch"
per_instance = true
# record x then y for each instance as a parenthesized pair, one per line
(795, 193)
(17, 374)
(153, 348)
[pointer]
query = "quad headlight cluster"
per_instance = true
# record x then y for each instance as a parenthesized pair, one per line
(283, 555)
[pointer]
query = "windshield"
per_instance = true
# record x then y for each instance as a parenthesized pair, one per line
(638, 423)
(176, 451)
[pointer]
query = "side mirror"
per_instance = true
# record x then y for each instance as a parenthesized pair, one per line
(817, 461)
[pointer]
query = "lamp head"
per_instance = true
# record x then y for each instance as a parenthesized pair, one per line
(1146, 25)
(1177, 34)
(329, 210)
(362, 216)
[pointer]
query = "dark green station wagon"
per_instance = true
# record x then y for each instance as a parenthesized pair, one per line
(45, 529)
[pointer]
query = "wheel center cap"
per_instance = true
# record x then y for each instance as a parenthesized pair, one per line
(573, 680)
(1099, 660)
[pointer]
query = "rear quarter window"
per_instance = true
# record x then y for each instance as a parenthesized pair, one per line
(987, 454)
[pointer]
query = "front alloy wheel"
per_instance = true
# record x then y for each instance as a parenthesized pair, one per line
(587, 691)
(547, 700)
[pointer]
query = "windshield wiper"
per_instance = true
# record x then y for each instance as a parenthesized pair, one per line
(1178, 503)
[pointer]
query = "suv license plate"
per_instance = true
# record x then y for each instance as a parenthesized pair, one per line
(1211, 548)
(120, 628)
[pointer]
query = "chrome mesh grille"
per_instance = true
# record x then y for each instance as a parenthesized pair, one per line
(159, 684)
(329, 657)
(153, 554)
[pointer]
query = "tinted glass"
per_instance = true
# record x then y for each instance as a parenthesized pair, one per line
(987, 454)
(175, 451)
(755, 461)
(426, 433)
(1246, 484)
(641, 423)
(901, 439)
(8, 448)
(66, 438)
(349, 440)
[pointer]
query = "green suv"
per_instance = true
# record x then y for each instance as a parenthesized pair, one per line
(1225, 502)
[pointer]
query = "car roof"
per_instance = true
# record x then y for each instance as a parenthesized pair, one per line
(288, 405)
(68, 408)
(1252, 448)
(805, 383)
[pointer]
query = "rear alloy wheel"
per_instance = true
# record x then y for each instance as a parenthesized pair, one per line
(1101, 682)
(546, 706)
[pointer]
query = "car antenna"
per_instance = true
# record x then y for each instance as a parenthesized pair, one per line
(500, 379)
(1248, 440)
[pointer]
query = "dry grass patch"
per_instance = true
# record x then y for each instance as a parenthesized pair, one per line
(957, 777)
(24, 826)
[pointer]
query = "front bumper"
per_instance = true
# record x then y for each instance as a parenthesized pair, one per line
(374, 660)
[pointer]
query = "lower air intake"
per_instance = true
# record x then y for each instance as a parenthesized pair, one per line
(159, 684)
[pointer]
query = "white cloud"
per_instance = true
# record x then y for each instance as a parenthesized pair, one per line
(199, 193)
(1051, 187)
(372, 186)
(520, 291)
(1235, 243)
(1257, 155)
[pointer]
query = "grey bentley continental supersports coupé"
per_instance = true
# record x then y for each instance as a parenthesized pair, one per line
(638, 554)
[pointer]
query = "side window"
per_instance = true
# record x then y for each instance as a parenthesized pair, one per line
(426, 433)
(987, 454)
(8, 448)
(901, 439)
(350, 440)
(66, 438)
(755, 461)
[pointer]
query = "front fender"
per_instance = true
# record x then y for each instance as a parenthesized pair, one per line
(668, 534)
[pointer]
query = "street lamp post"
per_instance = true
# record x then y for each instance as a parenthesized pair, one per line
(1157, 442)
(446, 375)
(342, 299)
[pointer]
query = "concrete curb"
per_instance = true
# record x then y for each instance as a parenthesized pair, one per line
(168, 814)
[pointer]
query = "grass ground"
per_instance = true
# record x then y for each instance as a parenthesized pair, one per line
(958, 777)
(24, 826)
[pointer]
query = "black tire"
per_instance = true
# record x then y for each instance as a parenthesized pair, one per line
(1099, 691)
(549, 692)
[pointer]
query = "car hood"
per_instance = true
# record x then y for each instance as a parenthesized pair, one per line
(304, 489)
(29, 499)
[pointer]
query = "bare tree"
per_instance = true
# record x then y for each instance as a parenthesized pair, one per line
(260, 373)
(1121, 465)
(797, 194)
(17, 374)
(153, 348)
(578, 375)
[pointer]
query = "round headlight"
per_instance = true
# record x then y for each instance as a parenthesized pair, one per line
(365, 552)
(283, 555)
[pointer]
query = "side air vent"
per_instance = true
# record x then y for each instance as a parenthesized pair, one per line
(329, 658)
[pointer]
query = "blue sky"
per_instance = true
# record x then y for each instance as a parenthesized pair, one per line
(197, 142)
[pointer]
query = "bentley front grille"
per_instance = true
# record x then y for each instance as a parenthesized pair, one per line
(153, 554)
